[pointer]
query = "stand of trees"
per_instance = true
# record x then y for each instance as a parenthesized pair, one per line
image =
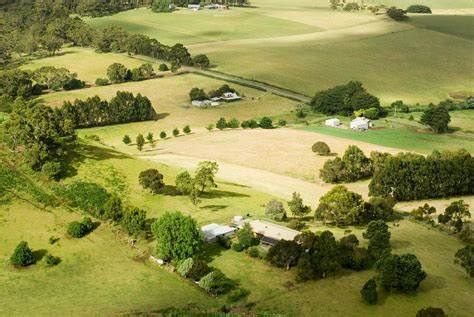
(353, 166)
(409, 176)
(345, 100)
(94, 112)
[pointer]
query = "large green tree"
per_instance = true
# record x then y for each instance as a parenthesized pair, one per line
(437, 118)
(341, 206)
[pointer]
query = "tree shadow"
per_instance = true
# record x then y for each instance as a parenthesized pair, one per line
(214, 207)
(221, 194)
(162, 115)
(400, 244)
(211, 251)
(170, 190)
(234, 184)
(39, 254)
(147, 230)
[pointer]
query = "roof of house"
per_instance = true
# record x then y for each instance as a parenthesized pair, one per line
(213, 230)
(363, 120)
(273, 231)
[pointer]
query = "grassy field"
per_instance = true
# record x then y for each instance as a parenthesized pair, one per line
(458, 25)
(269, 288)
(402, 138)
(460, 120)
(188, 27)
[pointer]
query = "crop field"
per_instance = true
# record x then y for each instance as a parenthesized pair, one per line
(458, 25)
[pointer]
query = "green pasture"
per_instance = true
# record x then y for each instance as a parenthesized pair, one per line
(458, 25)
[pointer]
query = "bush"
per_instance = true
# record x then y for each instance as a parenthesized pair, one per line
(133, 221)
(187, 129)
(53, 169)
(401, 272)
(321, 148)
(113, 209)
(193, 269)
(151, 179)
(245, 237)
(233, 123)
(295, 224)
(275, 210)
(101, 81)
(397, 14)
(74, 83)
(117, 73)
(369, 292)
(163, 135)
(197, 94)
(201, 60)
(431, 312)
(237, 247)
(351, 6)
(282, 122)
(216, 283)
(224, 242)
(78, 229)
(126, 139)
(418, 8)
(22, 255)
(52, 260)
(221, 124)
(163, 67)
(266, 123)
(175, 132)
(210, 127)
(465, 258)
(284, 254)
(253, 252)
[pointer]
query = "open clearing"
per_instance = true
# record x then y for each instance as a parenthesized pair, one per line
(459, 25)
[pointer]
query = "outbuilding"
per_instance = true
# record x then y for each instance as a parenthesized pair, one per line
(270, 233)
(213, 231)
(334, 122)
(361, 124)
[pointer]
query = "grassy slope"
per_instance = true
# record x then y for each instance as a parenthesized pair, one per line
(309, 4)
(416, 65)
(459, 25)
(340, 296)
(189, 27)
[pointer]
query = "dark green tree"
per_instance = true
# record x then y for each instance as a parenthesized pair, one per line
(465, 258)
(134, 221)
(436, 117)
(22, 255)
(151, 179)
(341, 206)
(297, 207)
(369, 292)
(140, 141)
(284, 254)
(321, 148)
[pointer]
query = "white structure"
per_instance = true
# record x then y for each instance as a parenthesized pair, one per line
(213, 230)
(201, 103)
(271, 233)
(238, 221)
(230, 96)
(361, 124)
(194, 7)
(332, 122)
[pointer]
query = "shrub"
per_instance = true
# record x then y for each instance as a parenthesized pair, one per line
(245, 238)
(401, 272)
(74, 83)
(397, 14)
(193, 269)
(295, 224)
(221, 124)
(282, 122)
(201, 60)
(78, 229)
(237, 247)
(418, 8)
(163, 135)
(52, 260)
(224, 242)
(431, 312)
(253, 124)
(275, 210)
(117, 73)
(369, 292)
(210, 127)
(321, 148)
(184, 183)
(351, 6)
(197, 94)
(53, 169)
(187, 129)
(297, 207)
(101, 81)
(216, 283)
(233, 123)
(184, 267)
(22, 255)
(266, 123)
(175, 132)
(133, 221)
(437, 118)
(163, 67)
(465, 258)
(253, 252)
(151, 179)
(284, 254)
(113, 209)
(379, 239)
(126, 139)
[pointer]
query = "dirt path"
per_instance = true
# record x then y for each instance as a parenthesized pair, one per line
(267, 182)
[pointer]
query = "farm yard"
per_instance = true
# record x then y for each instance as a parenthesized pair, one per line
(118, 148)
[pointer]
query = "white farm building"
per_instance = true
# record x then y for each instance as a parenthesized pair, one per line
(213, 231)
(332, 123)
(361, 124)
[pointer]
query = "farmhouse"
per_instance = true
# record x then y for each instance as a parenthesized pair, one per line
(213, 231)
(271, 233)
(361, 124)
(230, 96)
(194, 7)
(332, 122)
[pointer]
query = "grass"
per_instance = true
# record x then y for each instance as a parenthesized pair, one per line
(269, 289)
(460, 120)
(458, 25)
(188, 27)
(402, 138)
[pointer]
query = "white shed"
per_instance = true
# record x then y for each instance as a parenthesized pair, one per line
(361, 124)
(334, 122)
(213, 230)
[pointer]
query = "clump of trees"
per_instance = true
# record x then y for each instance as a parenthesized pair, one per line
(409, 176)
(353, 166)
(431, 312)
(151, 179)
(199, 93)
(79, 229)
(118, 73)
(455, 215)
(437, 118)
(397, 14)
(245, 238)
(418, 8)
(49, 77)
(94, 112)
(343, 207)
(204, 179)
(402, 273)
(178, 237)
(275, 210)
(345, 99)
(297, 207)
(465, 258)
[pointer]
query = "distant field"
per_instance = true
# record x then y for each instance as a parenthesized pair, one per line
(437, 4)
(189, 27)
(402, 138)
(461, 119)
(88, 64)
(459, 25)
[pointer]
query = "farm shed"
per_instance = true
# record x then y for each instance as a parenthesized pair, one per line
(271, 233)
(332, 122)
(213, 230)
(361, 124)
